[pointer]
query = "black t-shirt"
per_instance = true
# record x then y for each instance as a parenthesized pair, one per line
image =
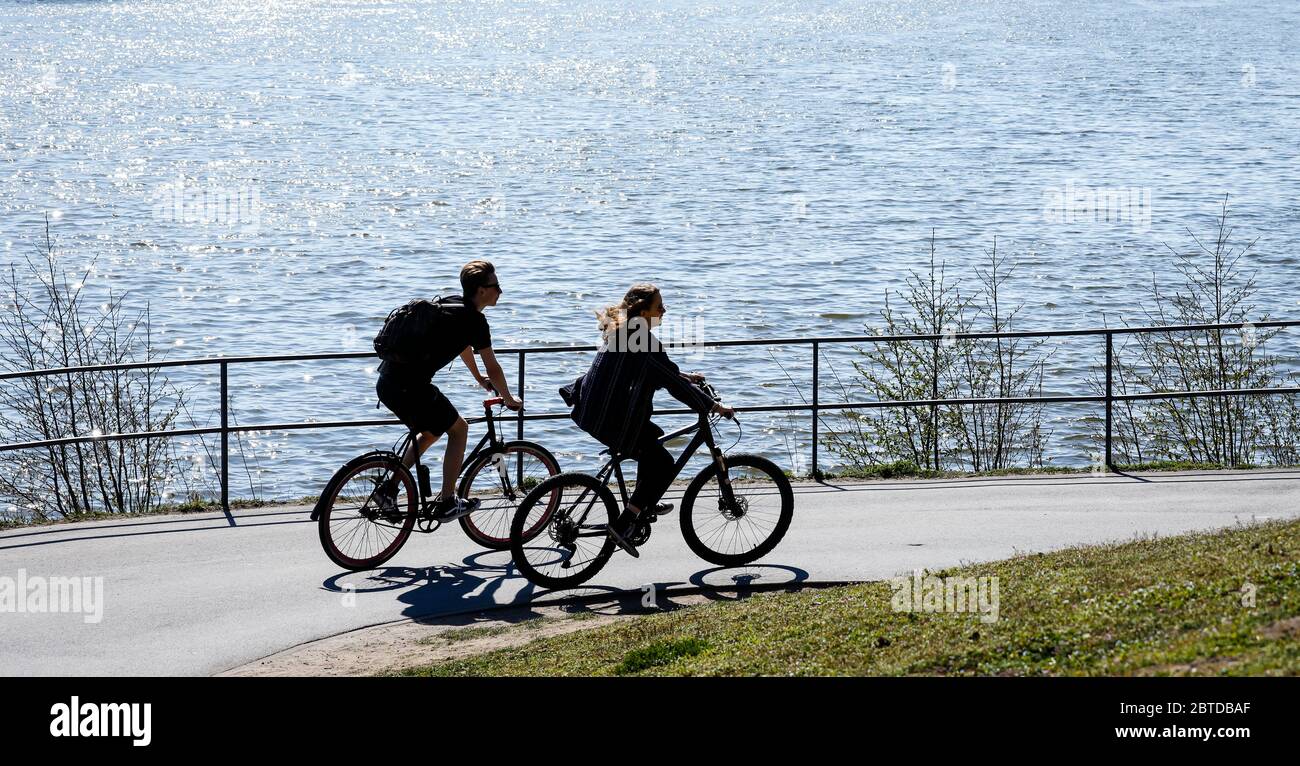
(461, 325)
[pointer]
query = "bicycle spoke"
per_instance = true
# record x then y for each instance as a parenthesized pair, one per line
(499, 497)
(356, 529)
(570, 546)
(732, 530)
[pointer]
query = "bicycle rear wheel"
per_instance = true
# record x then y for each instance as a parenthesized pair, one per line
(356, 530)
(730, 534)
(499, 480)
(574, 511)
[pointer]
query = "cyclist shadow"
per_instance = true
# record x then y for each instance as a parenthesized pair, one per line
(481, 582)
(714, 584)
(478, 581)
(748, 579)
(742, 582)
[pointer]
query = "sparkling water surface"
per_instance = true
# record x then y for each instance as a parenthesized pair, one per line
(775, 167)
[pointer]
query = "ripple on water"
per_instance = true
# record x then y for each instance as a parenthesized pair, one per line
(773, 172)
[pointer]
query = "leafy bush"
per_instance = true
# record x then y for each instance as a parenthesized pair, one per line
(49, 323)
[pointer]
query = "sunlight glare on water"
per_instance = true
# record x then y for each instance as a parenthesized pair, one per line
(774, 167)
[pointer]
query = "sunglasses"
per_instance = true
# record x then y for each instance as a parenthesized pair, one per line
(495, 285)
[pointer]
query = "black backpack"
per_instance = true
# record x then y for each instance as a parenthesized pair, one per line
(409, 329)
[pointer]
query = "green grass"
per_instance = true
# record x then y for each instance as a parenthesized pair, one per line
(659, 653)
(898, 469)
(465, 634)
(901, 469)
(1187, 465)
(1154, 606)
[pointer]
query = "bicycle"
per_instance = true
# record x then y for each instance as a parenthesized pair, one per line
(358, 533)
(733, 512)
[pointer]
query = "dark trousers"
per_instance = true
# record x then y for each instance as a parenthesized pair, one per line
(654, 469)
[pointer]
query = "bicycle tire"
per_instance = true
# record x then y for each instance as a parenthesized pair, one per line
(489, 526)
(331, 529)
(749, 547)
(565, 486)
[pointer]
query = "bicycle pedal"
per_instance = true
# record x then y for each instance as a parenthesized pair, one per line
(641, 533)
(628, 544)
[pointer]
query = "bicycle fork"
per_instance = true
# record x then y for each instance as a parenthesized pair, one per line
(503, 473)
(724, 479)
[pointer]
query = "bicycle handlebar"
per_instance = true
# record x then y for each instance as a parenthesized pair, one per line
(708, 388)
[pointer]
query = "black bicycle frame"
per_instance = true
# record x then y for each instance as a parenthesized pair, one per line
(489, 439)
(703, 435)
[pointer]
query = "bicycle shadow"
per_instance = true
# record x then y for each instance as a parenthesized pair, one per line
(482, 581)
(479, 582)
(714, 584)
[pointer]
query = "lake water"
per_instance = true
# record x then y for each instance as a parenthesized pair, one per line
(274, 177)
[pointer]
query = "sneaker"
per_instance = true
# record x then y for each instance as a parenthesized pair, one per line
(662, 508)
(453, 508)
(621, 529)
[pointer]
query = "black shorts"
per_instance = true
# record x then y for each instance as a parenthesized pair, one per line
(418, 404)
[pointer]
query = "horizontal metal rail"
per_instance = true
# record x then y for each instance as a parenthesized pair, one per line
(1108, 398)
(667, 345)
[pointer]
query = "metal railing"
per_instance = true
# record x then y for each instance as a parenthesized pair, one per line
(815, 406)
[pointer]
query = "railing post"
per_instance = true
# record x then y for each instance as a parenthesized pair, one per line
(815, 365)
(934, 408)
(225, 439)
(519, 464)
(1109, 399)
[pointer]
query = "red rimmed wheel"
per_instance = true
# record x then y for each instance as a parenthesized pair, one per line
(500, 480)
(358, 528)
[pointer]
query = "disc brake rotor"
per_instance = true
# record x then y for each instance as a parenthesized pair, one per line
(735, 510)
(563, 531)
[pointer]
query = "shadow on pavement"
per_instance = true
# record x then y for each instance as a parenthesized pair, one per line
(107, 528)
(475, 586)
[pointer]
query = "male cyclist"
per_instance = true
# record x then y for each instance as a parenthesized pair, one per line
(408, 390)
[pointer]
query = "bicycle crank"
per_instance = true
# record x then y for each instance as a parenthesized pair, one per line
(642, 531)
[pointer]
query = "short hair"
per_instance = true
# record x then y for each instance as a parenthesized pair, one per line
(474, 275)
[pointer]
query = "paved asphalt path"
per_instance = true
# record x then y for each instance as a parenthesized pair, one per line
(197, 594)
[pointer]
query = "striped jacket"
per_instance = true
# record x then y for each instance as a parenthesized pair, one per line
(613, 401)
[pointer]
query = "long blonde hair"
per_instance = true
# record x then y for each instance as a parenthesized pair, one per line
(637, 300)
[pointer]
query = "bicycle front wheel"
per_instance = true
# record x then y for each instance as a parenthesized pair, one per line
(746, 528)
(499, 480)
(358, 528)
(573, 511)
